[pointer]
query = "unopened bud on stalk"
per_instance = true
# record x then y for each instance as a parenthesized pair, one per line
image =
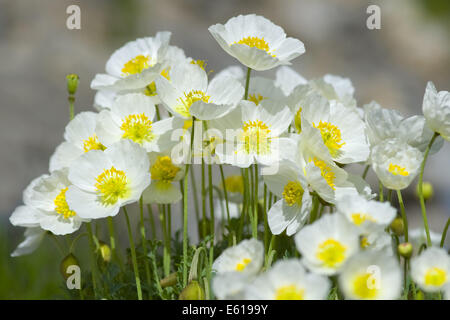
(105, 252)
(427, 190)
(193, 291)
(405, 250)
(397, 226)
(72, 83)
(204, 226)
(420, 295)
(169, 281)
(68, 261)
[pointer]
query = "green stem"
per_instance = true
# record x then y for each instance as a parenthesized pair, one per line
(212, 220)
(366, 170)
(255, 205)
(93, 258)
(194, 188)
(185, 208)
(74, 241)
(71, 106)
(314, 209)
(247, 83)
(422, 199)
(381, 191)
(266, 222)
(144, 241)
(444, 233)
(402, 210)
(224, 186)
(133, 256)
(152, 220)
(166, 256)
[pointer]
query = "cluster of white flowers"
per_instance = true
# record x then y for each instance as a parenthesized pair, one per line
(302, 133)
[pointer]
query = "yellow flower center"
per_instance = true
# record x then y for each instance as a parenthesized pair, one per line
(331, 136)
(256, 98)
(163, 169)
(240, 266)
(235, 184)
(298, 120)
(293, 193)
(358, 218)
(364, 242)
(61, 206)
(256, 137)
(136, 65)
(92, 143)
(190, 98)
(201, 63)
(364, 286)
(112, 185)
(137, 127)
(289, 292)
(256, 42)
(150, 90)
(435, 277)
(326, 172)
(331, 252)
(398, 170)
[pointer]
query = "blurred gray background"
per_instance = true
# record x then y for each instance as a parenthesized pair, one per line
(391, 65)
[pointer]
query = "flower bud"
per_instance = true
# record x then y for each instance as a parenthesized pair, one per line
(68, 261)
(427, 190)
(169, 281)
(72, 83)
(193, 291)
(397, 226)
(405, 249)
(420, 295)
(105, 252)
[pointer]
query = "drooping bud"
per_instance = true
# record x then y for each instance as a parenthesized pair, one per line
(105, 251)
(72, 83)
(397, 226)
(405, 249)
(169, 281)
(69, 260)
(193, 291)
(427, 190)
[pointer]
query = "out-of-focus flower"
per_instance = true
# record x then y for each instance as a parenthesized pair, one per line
(256, 42)
(287, 79)
(371, 275)
(231, 285)
(164, 173)
(288, 280)
(246, 257)
(46, 205)
(327, 244)
(436, 109)
(431, 269)
(396, 163)
(33, 238)
(104, 181)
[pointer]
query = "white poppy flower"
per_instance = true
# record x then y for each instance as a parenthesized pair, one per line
(46, 205)
(252, 134)
(33, 238)
(418, 237)
(287, 79)
(189, 94)
(80, 137)
(383, 124)
(367, 215)
(327, 244)
(431, 270)
(135, 65)
(291, 212)
(371, 275)
(378, 240)
(396, 163)
(131, 117)
(164, 173)
(436, 109)
(288, 280)
(256, 42)
(246, 257)
(342, 130)
(104, 181)
(230, 285)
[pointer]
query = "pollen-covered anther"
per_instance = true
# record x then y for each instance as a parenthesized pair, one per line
(164, 170)
(293, 193)
(112, 185)
(398, 170)
(92, 143)
(255, 42)
(256, 137)
(137, 127)
(136, 65)
(61, 206)
(331, 136)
